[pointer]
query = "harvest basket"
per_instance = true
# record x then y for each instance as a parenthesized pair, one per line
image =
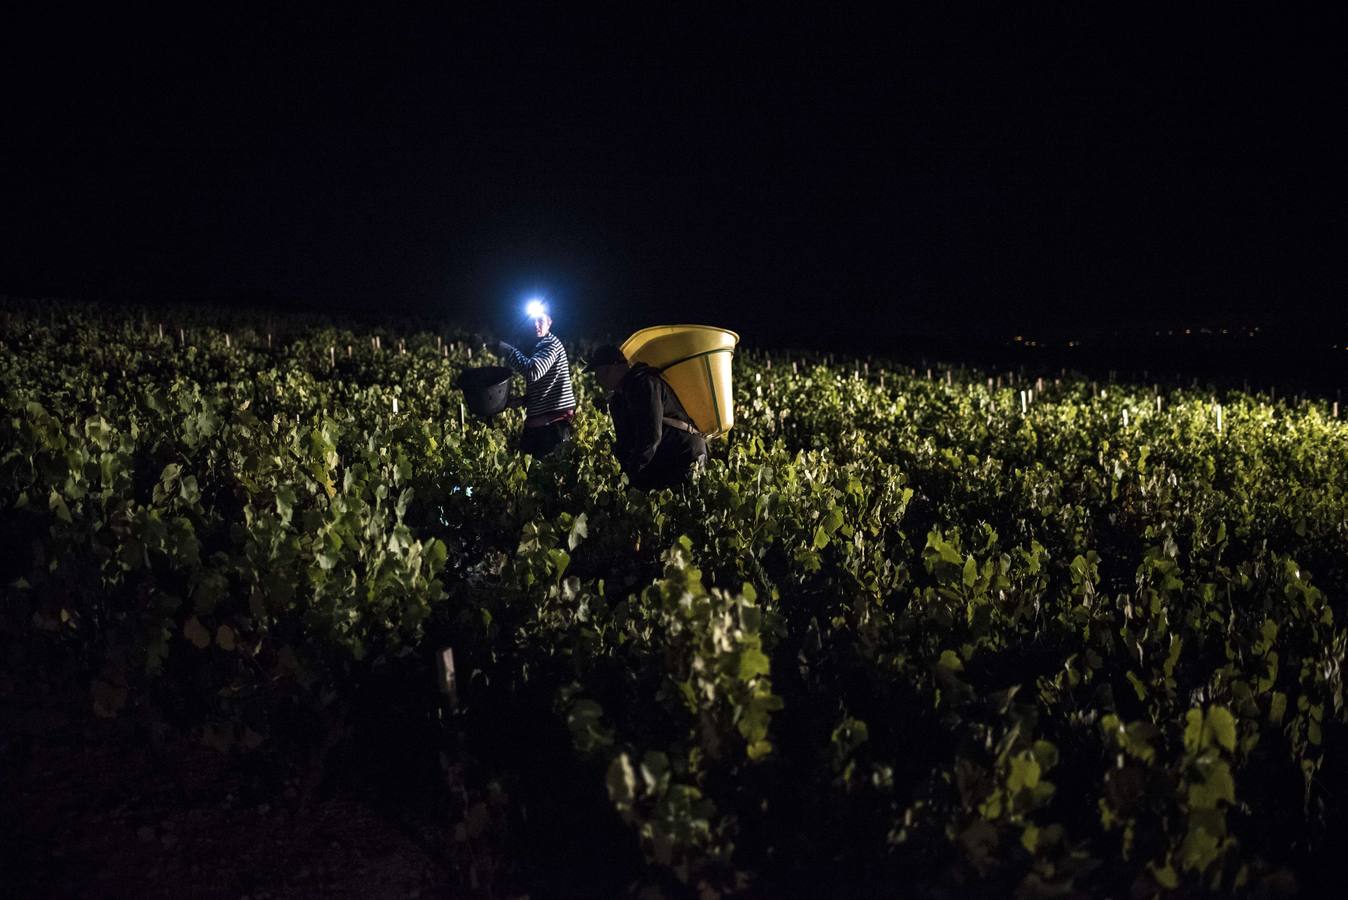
(485, 390)
(695, 361)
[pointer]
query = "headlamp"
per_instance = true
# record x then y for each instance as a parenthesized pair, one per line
(535, 308)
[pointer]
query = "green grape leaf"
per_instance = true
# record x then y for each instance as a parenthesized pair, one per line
(1222, 726)
(195, 632)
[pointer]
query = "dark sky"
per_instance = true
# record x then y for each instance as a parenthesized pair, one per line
(803, 176)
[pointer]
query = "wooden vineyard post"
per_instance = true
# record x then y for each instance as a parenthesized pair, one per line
(448, 681)
(439, 342)
(268, 340)
(1336, 409)
(161, 331)
(348, 351)
(463, 417)
(1024, 406)
(332, 356)
(395, 406)
(1158, 402)
(227, 343)
(1125, 417)
(182, 337)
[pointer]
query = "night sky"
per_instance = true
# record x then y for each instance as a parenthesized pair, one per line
(804, 177)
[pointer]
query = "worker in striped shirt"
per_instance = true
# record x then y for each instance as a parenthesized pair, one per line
(549, 402)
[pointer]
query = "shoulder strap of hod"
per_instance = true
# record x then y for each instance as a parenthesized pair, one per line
(681, 425)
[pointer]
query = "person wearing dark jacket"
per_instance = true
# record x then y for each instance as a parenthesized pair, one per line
(657, 443)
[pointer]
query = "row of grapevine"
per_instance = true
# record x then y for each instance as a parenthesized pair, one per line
(900, 631)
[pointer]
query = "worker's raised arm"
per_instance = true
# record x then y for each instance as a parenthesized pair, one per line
(536, 366)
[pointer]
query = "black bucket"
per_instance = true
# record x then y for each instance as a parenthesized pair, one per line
(485, 390)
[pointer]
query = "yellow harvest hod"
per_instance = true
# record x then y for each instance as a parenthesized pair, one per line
(695, 361)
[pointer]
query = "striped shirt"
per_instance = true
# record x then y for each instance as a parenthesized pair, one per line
(547, 378)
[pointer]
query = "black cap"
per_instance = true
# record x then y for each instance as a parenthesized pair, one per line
(607, 355)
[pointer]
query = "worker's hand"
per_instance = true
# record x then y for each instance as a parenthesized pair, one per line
(504, 349)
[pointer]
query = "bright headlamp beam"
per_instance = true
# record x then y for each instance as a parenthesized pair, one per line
(535, 308)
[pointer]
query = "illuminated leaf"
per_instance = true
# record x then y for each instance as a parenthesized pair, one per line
(1222, 726)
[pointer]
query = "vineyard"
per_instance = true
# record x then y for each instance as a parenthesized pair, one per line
(909, 633)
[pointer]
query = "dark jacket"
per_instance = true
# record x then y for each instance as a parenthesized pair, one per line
(651, 452)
